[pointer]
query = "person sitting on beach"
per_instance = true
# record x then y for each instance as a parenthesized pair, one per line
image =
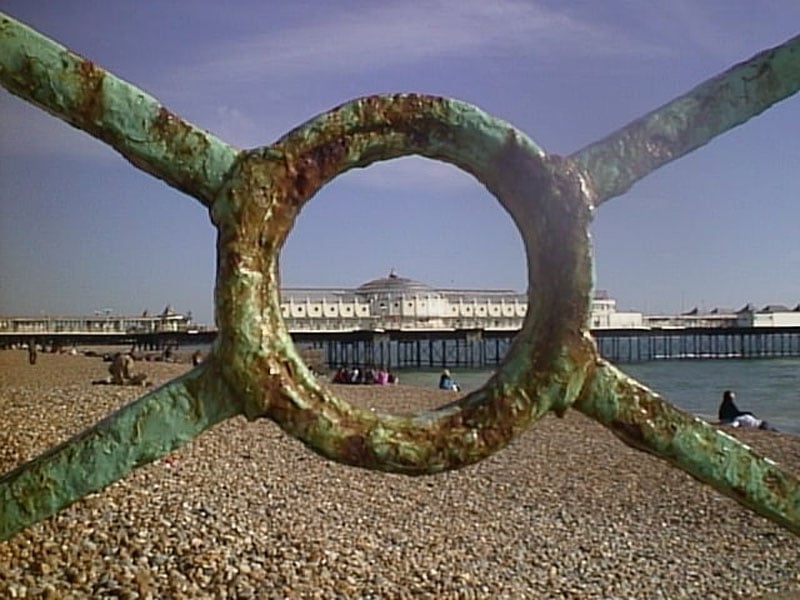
(341, 376)
(382, 376)
(446, 381)
(120, 368)
(729, 414)
(120, 371)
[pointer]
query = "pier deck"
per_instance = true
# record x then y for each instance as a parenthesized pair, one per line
(467, 348)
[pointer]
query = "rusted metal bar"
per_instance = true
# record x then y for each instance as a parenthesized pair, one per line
(684, 124)
(644, 420)
(137, 434)
(132, 122)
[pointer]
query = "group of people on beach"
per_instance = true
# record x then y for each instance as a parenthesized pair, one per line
(371, 375)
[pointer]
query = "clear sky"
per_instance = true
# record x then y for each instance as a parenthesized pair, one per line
(82, 230)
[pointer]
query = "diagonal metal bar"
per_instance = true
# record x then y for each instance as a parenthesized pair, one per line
(137, 434)
(616, 162)
(643, 420)
(135, 124)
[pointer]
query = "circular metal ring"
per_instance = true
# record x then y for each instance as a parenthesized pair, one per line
(550, 357)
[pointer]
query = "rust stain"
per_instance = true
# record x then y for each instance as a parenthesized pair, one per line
(289, 368)
(89, 103)
(174, 131)
(314, 168)
(184, 143)
(630, 432)
(355, 449)
(25, 80)
(738, 492)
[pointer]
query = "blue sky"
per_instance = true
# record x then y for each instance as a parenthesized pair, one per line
(82, 230)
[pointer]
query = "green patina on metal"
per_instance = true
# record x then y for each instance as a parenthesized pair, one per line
(254, 199)
(147, 429)
(257, 208)
(132, 122)
(691, 120)
(642, 419)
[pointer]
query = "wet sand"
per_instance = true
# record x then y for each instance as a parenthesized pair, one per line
(244, 511)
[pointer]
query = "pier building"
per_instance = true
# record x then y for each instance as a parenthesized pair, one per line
(400, 322)
(399, 303)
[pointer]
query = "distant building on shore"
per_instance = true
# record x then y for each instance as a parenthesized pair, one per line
(102, 322)
(399, 303)
(771, 315)
(604, 314)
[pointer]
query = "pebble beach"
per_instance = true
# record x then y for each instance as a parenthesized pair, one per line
(245, 511)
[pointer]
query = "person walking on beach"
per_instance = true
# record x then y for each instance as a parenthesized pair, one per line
(32, 356)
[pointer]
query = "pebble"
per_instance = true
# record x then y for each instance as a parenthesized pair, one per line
(244, 511)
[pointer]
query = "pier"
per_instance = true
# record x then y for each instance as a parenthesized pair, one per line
(410, 349)
(621, 345)
(400, 323)
(472, 349)
(486, 349)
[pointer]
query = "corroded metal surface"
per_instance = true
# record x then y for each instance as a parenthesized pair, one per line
(642, 419)
(132, 122)
(254, 197)
(691, 120)
(255, 212)
(144, 430)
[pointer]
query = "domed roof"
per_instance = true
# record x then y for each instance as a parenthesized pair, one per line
(394, 284)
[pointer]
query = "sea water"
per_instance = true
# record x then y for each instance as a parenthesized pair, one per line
(770, 388)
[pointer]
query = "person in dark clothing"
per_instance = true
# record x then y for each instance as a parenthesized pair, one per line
(729, 414)
(728, 411)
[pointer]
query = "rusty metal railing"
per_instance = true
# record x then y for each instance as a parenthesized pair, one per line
(254, 197)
